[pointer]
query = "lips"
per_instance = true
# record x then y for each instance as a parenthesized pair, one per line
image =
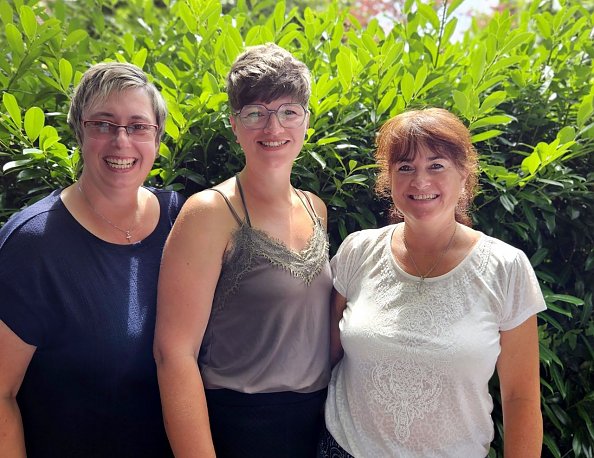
(423, 196)
(120, 163)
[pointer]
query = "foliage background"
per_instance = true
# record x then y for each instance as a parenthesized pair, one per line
(521, 80)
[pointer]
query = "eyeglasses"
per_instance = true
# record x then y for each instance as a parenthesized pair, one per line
(105, 130)
(289, 115)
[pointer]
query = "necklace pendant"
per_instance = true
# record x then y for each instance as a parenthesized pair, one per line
(420, 285)
(128, 236)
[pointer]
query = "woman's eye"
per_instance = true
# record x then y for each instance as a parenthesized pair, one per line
(436, 166)
(405, 168)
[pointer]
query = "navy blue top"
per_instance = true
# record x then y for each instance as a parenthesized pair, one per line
(89, 307)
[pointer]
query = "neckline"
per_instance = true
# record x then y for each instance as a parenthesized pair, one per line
(247, 215)
(89, 234)
(429, 280)
(267, 238)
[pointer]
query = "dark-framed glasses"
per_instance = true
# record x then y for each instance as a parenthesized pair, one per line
(289, 115)
(105, 130)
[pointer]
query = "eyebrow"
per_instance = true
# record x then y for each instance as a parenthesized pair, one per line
(107, 114)
(431, 158)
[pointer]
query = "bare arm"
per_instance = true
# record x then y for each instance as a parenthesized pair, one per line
(518, 370)
(15, 356)
(338, 304)
(189, 273)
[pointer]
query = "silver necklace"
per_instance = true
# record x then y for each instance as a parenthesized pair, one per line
(127, 232)
(422, 277)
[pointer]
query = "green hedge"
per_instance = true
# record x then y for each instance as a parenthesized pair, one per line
(523, 83)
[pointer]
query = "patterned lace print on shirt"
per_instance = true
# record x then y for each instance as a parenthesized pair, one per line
(408, 389)
(250, 243)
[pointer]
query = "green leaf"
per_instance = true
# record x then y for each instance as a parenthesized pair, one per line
(345, 70)
(355, 179)
(507, 202)
(564, 298)
(540, 255)
(166, 72)
(6, 12)
(386, 102)
(28, 21)
(491, 121)
(452, 6)
(74, 38)
(429, 13)
(188, 17)
(139, 57)
(420, 78)
(48, 137)
(65, 74)
(531, 163)
(12, 106)
(548, 356)
(515, 41)
(34, 122)
(485, 135)
(279, 15)
(15, 39)
(259, 34)
(318, 158)
(585, 110)
(407, 86)
(492, 101)
(478, 61)
(460, 101)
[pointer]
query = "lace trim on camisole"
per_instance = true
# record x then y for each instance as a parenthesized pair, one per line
(249, 243)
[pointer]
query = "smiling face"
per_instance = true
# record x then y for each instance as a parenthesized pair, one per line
(119, 161)
(426, 186)
(273, 145)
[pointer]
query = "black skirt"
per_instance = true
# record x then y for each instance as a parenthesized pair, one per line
(265, 425)
(329, 448)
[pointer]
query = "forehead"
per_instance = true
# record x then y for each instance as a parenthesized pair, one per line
(275, 103)
(132, 103)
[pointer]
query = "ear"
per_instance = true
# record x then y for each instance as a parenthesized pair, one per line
(233, 122)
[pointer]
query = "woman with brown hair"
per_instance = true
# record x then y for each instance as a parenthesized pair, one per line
(426, 309)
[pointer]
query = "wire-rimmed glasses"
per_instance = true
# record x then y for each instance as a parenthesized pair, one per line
(289, 115)
(105, 130)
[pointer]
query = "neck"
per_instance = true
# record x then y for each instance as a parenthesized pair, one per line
(274, 187)
(424, 238)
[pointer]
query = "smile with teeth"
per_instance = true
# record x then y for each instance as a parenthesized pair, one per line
(274, 144)
(423, 196)
(120, 163)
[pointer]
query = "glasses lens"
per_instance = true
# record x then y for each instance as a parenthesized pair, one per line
(104, 130)
(141, 132)
(289, 115)
(254, 116)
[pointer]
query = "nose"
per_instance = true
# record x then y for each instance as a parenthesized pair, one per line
(273, 123)
(421, 179)
(121, 135)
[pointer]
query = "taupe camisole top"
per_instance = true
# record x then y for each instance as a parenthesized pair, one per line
(269, 326)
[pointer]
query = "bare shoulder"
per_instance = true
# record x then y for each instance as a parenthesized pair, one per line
(205, 219)
(318, 204)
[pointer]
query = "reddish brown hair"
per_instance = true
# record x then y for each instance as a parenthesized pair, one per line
(438, 130)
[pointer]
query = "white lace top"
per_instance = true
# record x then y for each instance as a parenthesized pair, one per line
(413, 380)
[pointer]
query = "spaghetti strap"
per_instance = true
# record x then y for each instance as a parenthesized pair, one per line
(233, 212)
(247, 215)
(309, 208)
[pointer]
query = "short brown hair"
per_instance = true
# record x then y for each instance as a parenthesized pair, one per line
(438, 130)
(266, 73)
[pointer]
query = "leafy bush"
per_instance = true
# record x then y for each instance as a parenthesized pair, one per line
(522, 82)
